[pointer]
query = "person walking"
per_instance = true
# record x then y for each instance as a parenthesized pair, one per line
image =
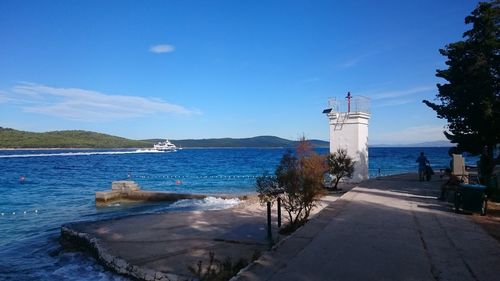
(422, 165)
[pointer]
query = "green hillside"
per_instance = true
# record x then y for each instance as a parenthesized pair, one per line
(10, 138)
(260, 141)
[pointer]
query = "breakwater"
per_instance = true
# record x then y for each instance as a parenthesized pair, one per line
(126, 191)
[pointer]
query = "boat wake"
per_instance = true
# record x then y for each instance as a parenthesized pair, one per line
(77, 153)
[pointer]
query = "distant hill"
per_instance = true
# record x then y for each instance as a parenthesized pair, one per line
(260, 141)
(420, 144)
(10, 138)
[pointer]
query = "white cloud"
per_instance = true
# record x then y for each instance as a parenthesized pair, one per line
(162, 48)
(80, 104)
(410, 135)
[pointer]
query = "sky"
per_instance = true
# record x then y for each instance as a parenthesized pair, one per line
(211, 69)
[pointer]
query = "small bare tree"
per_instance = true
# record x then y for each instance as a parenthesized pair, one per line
(298, 182)
(288, 178)
(312, 167)
(340, 165)
(268, 188)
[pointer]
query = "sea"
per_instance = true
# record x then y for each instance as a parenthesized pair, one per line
(40, 190)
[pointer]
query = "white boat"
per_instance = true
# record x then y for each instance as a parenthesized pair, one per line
(162, 146)
(165, 146)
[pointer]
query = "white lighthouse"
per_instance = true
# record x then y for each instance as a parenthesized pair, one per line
(349, 130)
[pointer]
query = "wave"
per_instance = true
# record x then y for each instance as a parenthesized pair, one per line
(41, 257)
(79, 266)
(209, 203)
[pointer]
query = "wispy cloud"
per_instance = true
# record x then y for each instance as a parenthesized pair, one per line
(394, 102)
(354, 61)
(308, 80)
(80, 104)
(3, 97)
(383, 98)
(162, 48)
(410, 135)
(351, 62)
(400, 93)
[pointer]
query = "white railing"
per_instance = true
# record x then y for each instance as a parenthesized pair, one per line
(356, 104)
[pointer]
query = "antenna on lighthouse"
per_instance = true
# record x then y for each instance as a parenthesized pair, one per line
(348, 97)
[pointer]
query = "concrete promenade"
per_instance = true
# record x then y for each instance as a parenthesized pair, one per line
(391, 228)
(387, 229)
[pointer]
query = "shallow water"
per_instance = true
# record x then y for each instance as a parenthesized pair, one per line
(59, 187)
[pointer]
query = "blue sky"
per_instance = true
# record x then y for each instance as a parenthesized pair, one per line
(202, 69)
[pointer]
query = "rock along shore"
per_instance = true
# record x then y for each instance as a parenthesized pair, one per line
(91, 244)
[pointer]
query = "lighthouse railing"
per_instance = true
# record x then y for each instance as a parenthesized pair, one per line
(357, 104)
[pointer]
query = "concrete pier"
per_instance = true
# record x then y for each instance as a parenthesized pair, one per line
(129, 191)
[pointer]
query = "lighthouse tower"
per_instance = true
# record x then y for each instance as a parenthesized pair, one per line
(349, 130)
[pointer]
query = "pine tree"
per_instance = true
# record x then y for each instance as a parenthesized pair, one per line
(470, 99)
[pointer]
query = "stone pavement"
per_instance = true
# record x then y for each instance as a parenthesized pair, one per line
(391, 228)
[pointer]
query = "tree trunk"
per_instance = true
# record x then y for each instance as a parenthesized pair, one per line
(337, 180)
(297, 217)
(487, 164)
(290, 216)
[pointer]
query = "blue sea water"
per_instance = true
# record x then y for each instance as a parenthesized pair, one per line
(59, 187)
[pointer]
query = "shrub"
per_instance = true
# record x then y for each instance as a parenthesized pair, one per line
(298, 182)
(268, 188)
(217, 270)
(340, 165)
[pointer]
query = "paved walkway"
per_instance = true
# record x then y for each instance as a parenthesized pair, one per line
(387, 229)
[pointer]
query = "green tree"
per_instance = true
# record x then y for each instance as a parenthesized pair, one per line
(470, 100)
(340, 165)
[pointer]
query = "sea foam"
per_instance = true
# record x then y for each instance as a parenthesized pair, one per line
(209, 203)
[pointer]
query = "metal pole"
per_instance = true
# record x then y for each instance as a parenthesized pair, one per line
(269, 232)
(349, 102)
(279, 212)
